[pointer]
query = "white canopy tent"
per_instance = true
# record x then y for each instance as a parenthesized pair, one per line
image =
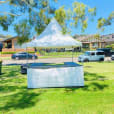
(52, 37)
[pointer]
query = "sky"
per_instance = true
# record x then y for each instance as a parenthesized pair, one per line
(104, 8)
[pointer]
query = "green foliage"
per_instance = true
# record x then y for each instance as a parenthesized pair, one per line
(84, 24)
(110, 46)
(79, 9)
(103, 22)
(8, 52)
(39, 14)
(111, 16)
(23, 31)
(92, 11)
(80, 14)
(15, 52)
(5, 21)
(60, 15)
(97, 36)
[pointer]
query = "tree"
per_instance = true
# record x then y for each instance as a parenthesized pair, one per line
(34, 15)
(103, 22)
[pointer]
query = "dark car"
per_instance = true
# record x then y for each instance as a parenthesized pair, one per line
(1, 46)
(107, 51)
(24, 55)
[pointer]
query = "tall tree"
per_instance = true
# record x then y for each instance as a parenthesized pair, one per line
(34, 15)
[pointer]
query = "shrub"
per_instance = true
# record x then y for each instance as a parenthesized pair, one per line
(15, 52)
(8, 52)
(31, 52)
(110, 46)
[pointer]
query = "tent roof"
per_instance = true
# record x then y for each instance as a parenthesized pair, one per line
(52, 37)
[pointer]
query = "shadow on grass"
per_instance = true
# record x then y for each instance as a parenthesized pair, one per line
(20, 100)
(93, 77)
(19, 97)
(93, 82)
(13, 89)
(9, 75)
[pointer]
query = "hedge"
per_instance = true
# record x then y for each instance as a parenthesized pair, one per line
(15, 52)
(8, 52)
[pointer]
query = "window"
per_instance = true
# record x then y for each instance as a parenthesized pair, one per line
(92, 53)
(87, 53)
(85, 45)
(100, 53)
(94, 45)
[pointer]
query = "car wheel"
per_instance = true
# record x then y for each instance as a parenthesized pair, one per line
(17, 58)
(101, 59)
(86, 60)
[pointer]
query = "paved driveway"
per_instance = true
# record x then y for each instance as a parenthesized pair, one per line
(49, 60)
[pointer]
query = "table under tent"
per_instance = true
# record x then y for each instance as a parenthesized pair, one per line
(66, 74)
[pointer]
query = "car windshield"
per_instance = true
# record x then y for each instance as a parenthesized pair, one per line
(87, 53)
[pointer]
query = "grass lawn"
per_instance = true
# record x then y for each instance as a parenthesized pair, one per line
(53, 55)
(5, 58)
(97, 97)
(60, 54)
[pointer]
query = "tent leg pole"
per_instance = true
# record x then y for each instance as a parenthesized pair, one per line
(26, 57)
(72, 54)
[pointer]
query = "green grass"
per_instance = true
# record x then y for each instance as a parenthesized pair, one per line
(5, 58)
(97, 97)
(60, 55)
(53, 55)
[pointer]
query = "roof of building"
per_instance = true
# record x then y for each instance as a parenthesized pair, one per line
(108, 37)
(4, 38)
(91, 38)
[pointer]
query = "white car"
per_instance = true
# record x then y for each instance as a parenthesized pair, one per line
(91, 56)
(112, 57)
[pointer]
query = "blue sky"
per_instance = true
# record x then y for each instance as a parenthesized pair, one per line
(104, 8)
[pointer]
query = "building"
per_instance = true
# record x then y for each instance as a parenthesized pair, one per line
(10, 44)
(109, 38)
(89, 41)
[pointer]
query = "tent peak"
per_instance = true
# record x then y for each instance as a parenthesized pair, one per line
(52, 28)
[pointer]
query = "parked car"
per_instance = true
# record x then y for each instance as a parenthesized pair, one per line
(107, 51)
(1, 46)
(91, 56)
(112, 57)
(24, 55)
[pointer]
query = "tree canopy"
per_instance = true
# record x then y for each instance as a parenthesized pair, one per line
(34, 15)
(103, 22)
